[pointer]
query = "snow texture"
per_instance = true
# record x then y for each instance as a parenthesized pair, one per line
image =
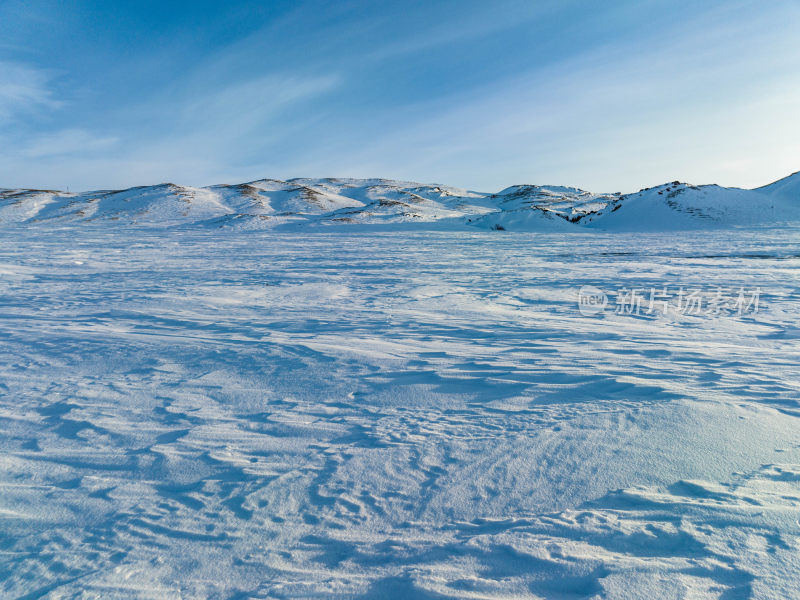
(329, 409)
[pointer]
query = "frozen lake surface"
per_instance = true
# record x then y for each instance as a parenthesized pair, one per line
(194, 414)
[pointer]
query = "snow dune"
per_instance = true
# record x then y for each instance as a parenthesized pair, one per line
(191, 412)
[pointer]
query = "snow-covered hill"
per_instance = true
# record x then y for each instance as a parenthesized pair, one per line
(322, 203)
(787, 188)
(682, 206)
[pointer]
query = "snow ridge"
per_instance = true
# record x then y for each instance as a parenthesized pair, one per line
(330, 202)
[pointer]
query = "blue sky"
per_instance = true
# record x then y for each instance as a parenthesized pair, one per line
(608, 96)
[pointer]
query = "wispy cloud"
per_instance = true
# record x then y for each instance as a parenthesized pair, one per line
(253, 102)
(23, 89)
(66, 141)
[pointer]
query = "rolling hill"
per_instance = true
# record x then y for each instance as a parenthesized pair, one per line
(332, 202)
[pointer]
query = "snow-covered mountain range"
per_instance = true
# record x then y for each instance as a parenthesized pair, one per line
(269, 203)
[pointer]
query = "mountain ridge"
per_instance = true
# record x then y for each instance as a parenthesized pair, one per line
(330, 202)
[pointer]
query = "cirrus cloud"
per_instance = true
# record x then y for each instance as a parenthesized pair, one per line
(22, 90)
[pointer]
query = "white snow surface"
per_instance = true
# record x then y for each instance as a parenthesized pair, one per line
(341, 412)
(381, 203)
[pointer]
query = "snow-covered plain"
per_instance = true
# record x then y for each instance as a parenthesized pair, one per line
(191, 413)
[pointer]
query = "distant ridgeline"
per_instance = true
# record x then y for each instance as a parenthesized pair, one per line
(326, 203)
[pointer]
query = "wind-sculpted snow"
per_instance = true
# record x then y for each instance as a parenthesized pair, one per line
(192, 413)
(384, 204)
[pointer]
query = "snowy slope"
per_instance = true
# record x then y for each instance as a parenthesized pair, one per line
(786, 189)
(159, 205)
(321, 203)
(24, 206)
(263, 203)
(542, 208)
(678, 206)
